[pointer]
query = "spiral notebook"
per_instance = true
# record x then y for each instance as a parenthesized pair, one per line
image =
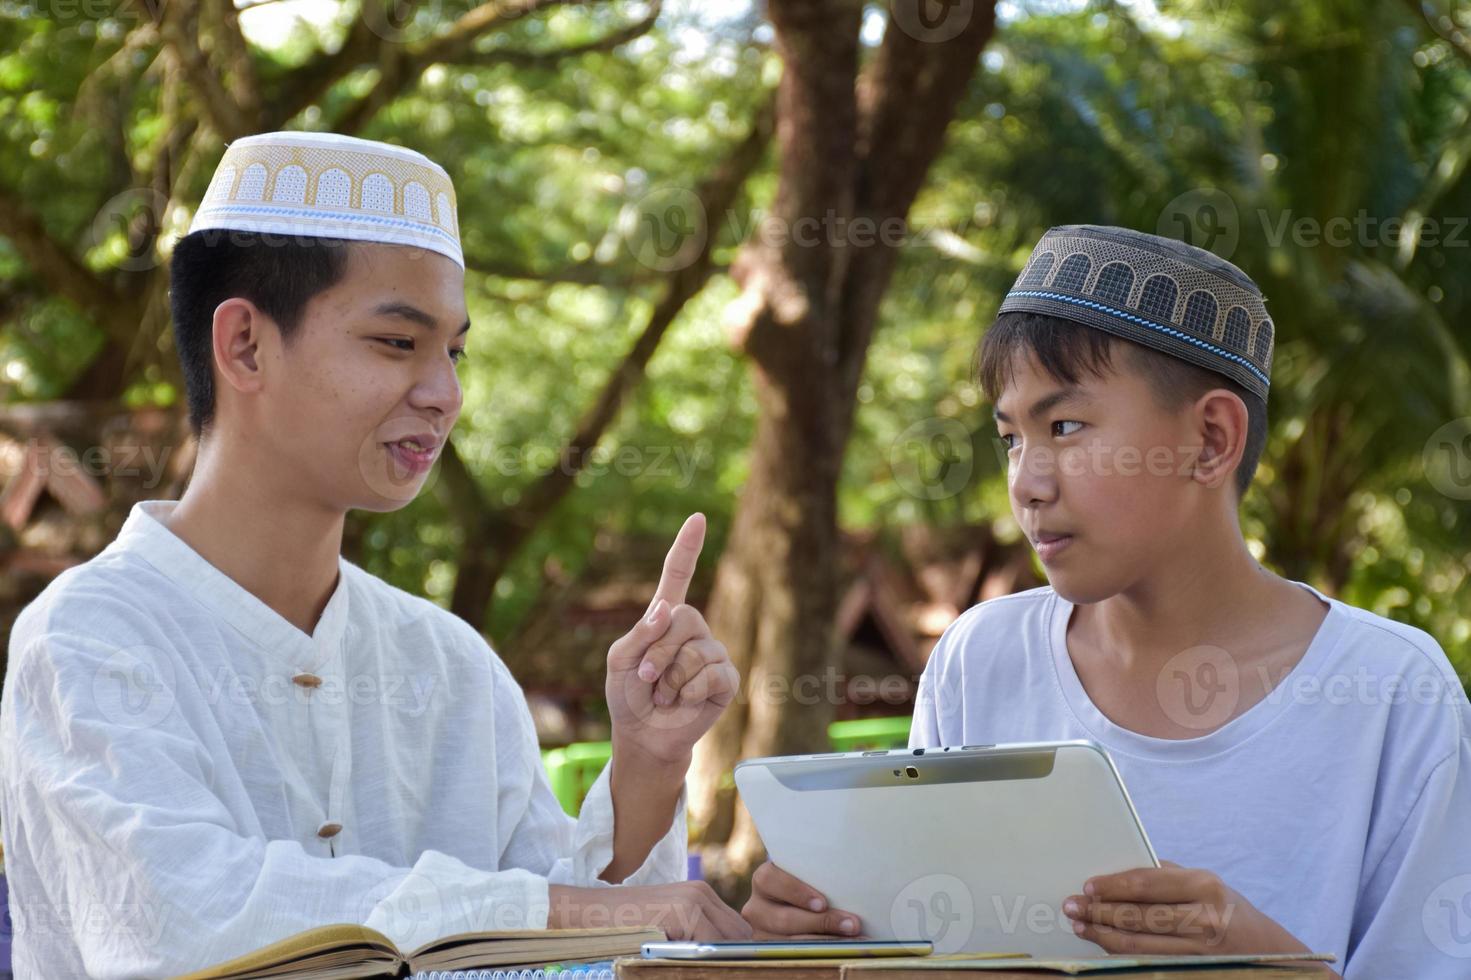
(601, 970)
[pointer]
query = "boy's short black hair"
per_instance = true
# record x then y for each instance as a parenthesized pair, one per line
(277, 273)
(1067, 351)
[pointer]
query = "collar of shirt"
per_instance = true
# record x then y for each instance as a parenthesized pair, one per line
(145, 535)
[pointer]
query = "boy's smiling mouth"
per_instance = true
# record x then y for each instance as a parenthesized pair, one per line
(415, 453)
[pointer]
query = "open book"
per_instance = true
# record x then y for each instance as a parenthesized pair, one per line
(346, 952)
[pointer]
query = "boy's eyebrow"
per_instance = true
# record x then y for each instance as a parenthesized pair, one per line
(413, 314)
(1042, 405)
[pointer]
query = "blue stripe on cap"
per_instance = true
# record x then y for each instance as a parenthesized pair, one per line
(1135, 318)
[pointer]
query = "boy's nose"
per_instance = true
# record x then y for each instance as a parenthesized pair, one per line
(1033, 477)
(439, 388)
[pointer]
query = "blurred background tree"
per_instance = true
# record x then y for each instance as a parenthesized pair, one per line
(651, 337)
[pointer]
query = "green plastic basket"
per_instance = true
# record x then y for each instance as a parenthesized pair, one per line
(572, 771)
(866, 734)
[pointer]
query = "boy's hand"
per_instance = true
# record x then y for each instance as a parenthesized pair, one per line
(685, 910)
(668, 677)
(782, 907)
(1173, 910)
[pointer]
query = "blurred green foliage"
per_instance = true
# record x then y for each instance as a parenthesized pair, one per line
(1098, 112)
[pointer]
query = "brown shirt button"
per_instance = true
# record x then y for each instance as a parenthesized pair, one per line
(329, 830)
(307, 680)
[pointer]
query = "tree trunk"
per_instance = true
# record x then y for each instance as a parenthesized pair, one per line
(855, 148)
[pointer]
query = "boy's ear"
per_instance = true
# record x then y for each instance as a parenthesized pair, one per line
(1222, 420)
(238, 327)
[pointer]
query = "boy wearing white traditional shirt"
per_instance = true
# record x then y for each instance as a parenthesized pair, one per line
(1308, 762)
(219, 732)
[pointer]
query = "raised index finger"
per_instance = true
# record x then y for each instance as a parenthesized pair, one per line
(679, 566)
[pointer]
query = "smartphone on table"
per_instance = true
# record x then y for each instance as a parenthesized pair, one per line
(788, 949)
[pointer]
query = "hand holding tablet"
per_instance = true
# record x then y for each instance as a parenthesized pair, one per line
(972, 848)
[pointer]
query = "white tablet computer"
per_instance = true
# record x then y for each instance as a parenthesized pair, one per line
(973, 847)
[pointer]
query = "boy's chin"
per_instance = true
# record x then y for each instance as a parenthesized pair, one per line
(383, 505)
(1082, 589)
(384, 496)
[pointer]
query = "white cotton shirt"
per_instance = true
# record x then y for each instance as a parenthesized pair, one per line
(163, 780)
(1340, 805)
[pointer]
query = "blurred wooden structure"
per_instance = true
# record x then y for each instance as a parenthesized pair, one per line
(69, 474)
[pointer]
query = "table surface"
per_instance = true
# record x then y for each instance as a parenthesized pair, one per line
(637, 969)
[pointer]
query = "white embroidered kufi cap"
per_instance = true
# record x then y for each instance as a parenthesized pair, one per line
(322, 185)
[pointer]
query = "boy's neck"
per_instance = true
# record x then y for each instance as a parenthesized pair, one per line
(281, 549)
(1215, 594)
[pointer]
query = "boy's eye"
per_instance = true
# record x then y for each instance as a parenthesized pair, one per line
(1060, 428)
(456, 354)
(1008, 440)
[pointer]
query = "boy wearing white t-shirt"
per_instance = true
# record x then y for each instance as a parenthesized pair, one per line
(1302, 767)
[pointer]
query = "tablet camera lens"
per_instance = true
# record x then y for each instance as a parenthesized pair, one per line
(911, 772)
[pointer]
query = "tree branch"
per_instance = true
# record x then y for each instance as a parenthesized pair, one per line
(179, 28)
(401, 64)
(580, 274)
(496, 534)
(244, 82)
(554, 56)
(456, 42)
(61, 271)
(117, 69)
(903, 93)
(400, 68)
(307, 84)
(907, 96)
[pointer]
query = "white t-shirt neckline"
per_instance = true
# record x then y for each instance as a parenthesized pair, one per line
(1118, 739)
